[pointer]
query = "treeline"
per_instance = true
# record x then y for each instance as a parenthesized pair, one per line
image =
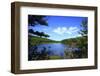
(75, 40)
(34, 20)
(34, 40)
(37, 33)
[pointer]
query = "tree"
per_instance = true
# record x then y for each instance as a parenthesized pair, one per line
(84, 29)
(35, 20)
(83, 43)
(36, 55)
(38, 33)
(31, 31)
(46, 35)
(42, 34)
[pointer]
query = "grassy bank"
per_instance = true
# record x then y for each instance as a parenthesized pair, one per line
(79, 42)
(34, 40)
(55, 57)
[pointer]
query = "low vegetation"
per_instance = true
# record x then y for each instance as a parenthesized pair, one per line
(80, 43)
(55, 57)
(34, 40)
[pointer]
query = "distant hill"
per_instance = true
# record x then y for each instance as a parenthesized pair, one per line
(77, 41)
(34, 40)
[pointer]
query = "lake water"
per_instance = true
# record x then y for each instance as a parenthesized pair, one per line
(54, 48)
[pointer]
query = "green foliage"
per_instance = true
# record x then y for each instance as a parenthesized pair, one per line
(34, 40)
(72, 41)
(74, 54)
(35, 55)
(35, 20)
(84, 29)
(38, 33)
(79, 42)
(83, 45)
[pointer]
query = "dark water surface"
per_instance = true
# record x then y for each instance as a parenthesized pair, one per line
(54, 48)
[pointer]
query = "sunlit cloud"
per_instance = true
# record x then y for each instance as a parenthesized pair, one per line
(60, 30)
(66, 30)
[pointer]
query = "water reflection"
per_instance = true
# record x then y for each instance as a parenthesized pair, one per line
(44, 51)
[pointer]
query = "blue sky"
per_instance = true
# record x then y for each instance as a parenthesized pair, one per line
(61, 27)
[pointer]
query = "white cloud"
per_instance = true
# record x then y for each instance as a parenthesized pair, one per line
(60, 30)
(65, 30)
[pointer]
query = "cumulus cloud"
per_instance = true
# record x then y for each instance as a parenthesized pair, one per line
(65, 30)
(60, 30)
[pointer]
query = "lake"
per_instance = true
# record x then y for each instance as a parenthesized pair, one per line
(53, 49)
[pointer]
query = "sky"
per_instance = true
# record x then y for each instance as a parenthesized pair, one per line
(61, 27)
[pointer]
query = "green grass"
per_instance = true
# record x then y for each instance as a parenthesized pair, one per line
(76, 41)
(34, 40)
(55, 57)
